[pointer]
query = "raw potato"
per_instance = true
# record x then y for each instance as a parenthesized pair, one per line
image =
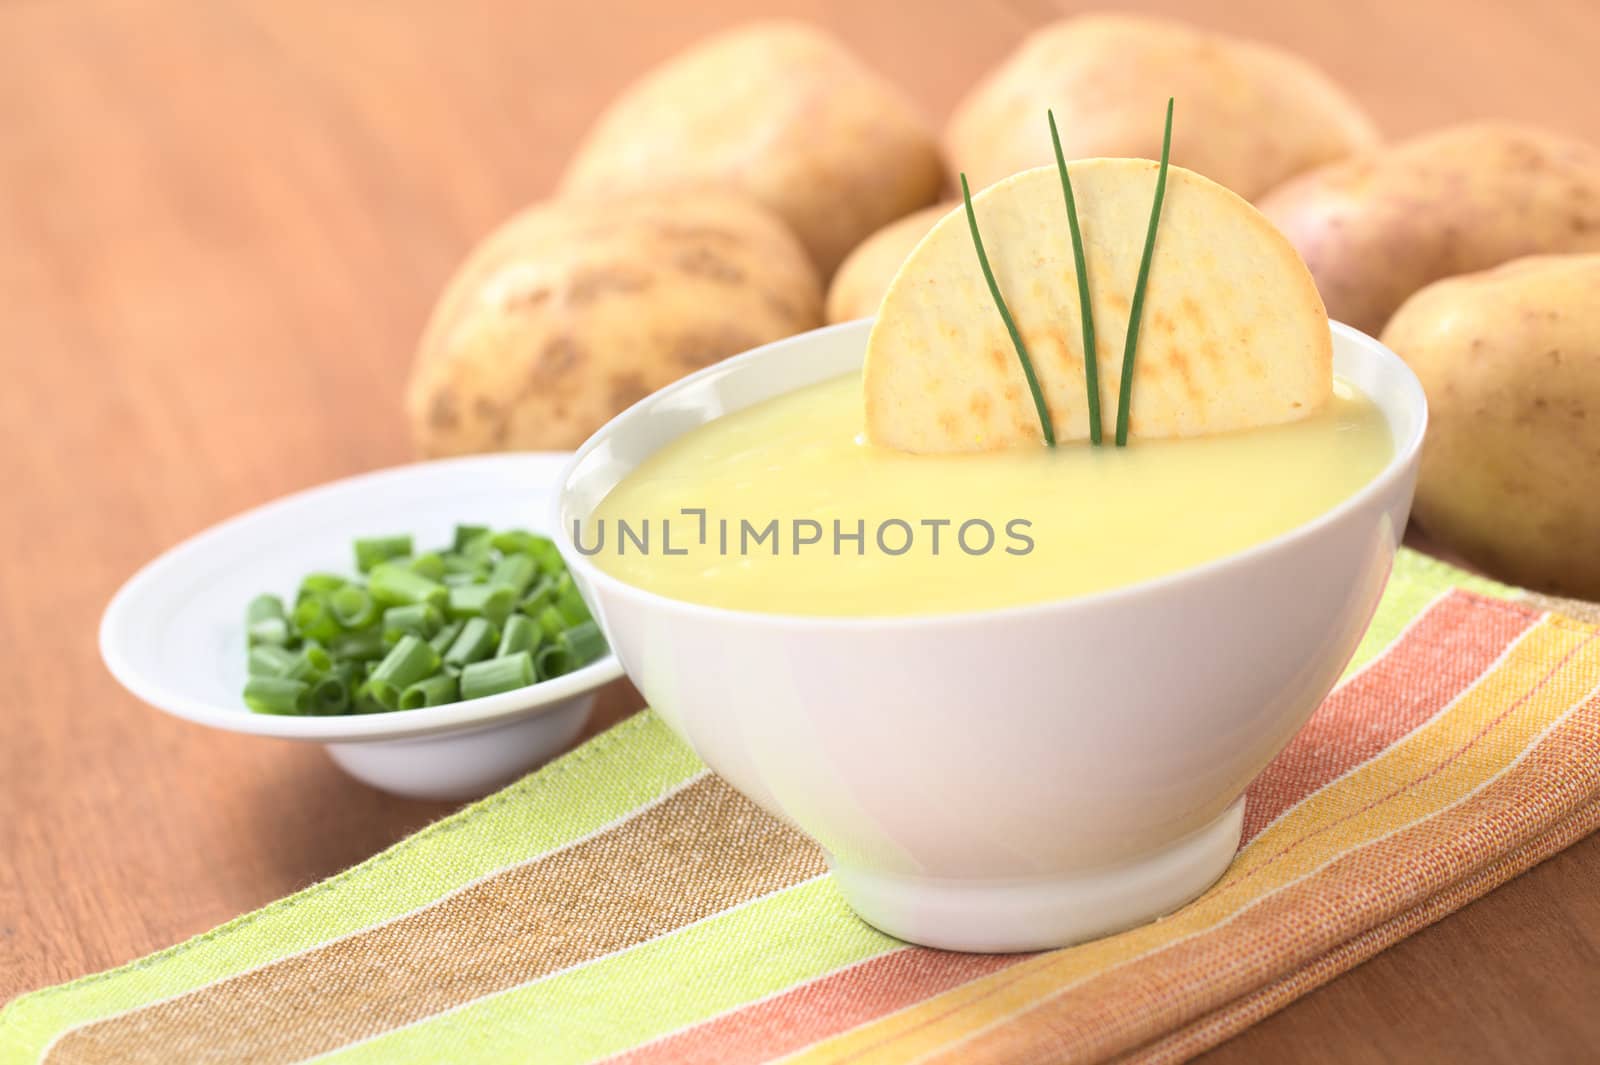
(864, 277)
(1510, 359)
(573, 310)
(1247, 115)
(782, 113)
(1233, 334)
(1376, 228)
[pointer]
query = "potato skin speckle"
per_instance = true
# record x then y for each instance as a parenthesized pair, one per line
(1376, 228)
(1510, 360)
(1249, 115)
(587, 286)
(575, 309)
(701, 261)
(781, 113)
(441, 412)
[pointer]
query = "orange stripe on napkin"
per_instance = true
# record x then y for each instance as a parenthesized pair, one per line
(820, 1008)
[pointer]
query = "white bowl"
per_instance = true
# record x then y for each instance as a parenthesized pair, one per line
(1009, 779)
(174, 634)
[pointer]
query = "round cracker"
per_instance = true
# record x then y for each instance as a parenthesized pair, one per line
(1234, 334)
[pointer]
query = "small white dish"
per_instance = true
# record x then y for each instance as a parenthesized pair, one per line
(174, 633)
(1011, 779)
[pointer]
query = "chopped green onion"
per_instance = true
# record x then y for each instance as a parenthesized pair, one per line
(352, 607)
(362, 702)
(497, 675)
(318, 585)
(555, 660)
(270, 660)
(441, 640)
(411, 632)
(330, 695)
(512, 541)
(1091, 355)
(539, 596)
(265, 622)
(545, 552)
(372, 550)
(515, 572)
(492, 601)
(477, 549)
(276, 695)
(541, 548)
(269, 632)
(394, 585)
(361, 646)
(586, 642)
(418, 619)
(462, 566)
(1136, 307)
(519, 634)
(263, 607)
(569, 603)
(314, 620)
(551, 621)
(430, 565)
(466, 534)
(549, 557)
(410, 661)
(1005, 316)
(475, 643)
(436, 690)
(310, 665)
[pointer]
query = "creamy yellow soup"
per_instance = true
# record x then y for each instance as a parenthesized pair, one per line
(785, 508)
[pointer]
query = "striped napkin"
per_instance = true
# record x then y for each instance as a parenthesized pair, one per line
(625, 905)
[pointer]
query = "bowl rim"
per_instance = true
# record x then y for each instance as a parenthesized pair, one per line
(1400, 464)
(394, 724)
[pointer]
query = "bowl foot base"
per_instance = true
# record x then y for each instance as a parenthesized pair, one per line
(1039, 913)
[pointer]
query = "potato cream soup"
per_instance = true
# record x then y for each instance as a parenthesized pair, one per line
(785, 508)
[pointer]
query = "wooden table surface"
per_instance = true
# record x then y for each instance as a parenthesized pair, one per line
(221, 228)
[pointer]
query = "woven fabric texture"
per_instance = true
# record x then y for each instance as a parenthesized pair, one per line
(625, 905)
